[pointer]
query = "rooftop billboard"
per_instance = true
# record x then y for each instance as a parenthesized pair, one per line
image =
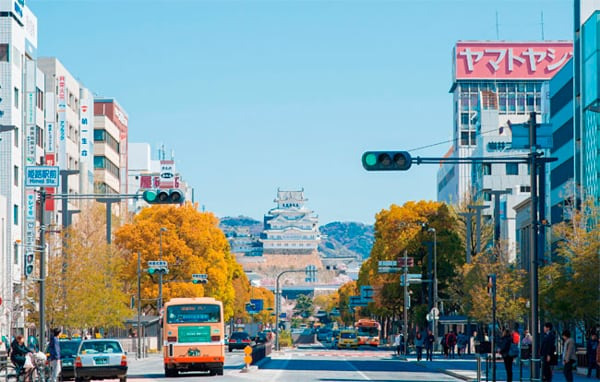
(479, 60)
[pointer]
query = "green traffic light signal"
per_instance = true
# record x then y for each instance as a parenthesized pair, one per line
(149, 196)
(386, 160)
(163, 196)
(151, 270)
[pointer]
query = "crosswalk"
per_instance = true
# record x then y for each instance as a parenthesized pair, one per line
(340, 354)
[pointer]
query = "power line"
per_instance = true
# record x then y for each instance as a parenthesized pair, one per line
(448, 141)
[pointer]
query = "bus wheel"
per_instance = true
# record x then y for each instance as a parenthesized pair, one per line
(220, 371)
(170, 373)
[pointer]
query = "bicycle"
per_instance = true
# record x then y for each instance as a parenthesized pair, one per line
(40, 372)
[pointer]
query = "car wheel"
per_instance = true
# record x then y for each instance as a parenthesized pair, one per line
(230, 350)
(123, 379)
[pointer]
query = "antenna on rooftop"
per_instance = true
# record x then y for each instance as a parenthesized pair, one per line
(497, 27)
(542, 25)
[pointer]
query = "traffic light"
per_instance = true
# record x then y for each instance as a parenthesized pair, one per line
(29, 263)
(163, 196)
(199, 278)
(386, 160)
(158, 267)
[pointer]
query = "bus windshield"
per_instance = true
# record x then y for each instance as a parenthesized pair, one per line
(193, 313)
(370, 331)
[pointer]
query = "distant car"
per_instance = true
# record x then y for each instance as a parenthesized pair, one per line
(100, 359)
(68, 353)
(348, 339)
(239, 340)
(324, 335)
(262, 337)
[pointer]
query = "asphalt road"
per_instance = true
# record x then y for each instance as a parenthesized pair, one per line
(309, 363)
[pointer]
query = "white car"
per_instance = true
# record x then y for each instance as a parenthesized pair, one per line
(100, 359)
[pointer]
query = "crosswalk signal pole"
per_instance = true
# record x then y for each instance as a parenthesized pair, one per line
(405, 282)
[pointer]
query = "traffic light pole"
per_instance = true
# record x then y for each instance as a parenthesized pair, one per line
(405, 329)
(139, 307)
(533, 252)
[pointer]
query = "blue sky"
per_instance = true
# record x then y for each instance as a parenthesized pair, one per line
(256, 95)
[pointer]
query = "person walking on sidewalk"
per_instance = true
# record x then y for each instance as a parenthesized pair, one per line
(451, 343)
(547, 350)
(419, 345)
(569, 357)
(429, 342)
(504, 345)
(54, 350)
(592, 348)
(398, 343)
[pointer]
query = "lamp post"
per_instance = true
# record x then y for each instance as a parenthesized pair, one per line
(160, 282)
(277, 304)
(435, 281)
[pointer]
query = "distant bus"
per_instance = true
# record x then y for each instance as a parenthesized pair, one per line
(369, 331)
(193, 336)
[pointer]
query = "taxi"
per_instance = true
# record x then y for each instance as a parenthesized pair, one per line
(347, 339)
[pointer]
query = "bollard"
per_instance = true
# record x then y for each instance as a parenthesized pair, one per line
(478, 369)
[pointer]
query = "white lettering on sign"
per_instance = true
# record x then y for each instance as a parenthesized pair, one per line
(50, 138)
(120, 116)
(30, 206)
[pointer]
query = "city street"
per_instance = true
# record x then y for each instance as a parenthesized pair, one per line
(311, 363)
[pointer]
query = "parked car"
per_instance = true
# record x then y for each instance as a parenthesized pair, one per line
(239, 340)
(100, 359)
(348, 339)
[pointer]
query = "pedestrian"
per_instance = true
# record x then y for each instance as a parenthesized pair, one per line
(598, 355)
(429, 342)
(504, 346)
(54, 350)
(592, 348)
(547, 350)
(444, 343)
(461, 343)
(18, 353)
(451, 344)
(419, 340)
(398, 343)
(474, 343)
(569, 357)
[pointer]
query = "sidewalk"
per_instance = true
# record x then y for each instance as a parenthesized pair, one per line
(466, 369)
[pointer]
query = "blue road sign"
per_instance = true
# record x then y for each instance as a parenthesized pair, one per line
(42, 176)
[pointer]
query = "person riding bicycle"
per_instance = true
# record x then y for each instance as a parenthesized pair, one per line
(18, 353)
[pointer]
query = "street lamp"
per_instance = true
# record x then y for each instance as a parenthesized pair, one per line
(435, 282)
(160, 282)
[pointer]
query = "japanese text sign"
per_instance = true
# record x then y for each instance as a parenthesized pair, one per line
(504, 60)
(41, 176)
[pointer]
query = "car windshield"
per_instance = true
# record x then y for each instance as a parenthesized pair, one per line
(68, 349)
(348, 335)
(94, 347)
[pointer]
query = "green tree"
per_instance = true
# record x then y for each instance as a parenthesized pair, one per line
(304, 306)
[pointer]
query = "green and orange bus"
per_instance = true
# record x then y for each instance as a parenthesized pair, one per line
(193, 336)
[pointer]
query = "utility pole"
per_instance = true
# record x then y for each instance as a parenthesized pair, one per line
(160, 284)
(405, 282)
(533, 255)
(277, 303)
(492, 291)
(478, 209)
(468, 216)
(109, 202)
(139, 306)
(42, 305)
(496, 194)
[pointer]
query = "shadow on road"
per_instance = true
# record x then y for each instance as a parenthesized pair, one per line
(339, 365)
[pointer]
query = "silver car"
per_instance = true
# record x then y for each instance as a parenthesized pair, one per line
(100, 359)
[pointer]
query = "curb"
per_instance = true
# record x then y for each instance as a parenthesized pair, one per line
(444, 371)
(262, 362)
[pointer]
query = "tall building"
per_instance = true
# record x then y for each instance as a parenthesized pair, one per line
(290, 228)
(108, 112)
(586, 85)
(21, 144)
(516, 72)
(70, 125)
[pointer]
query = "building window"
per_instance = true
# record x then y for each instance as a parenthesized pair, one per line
(487, 169)
(464, 138)
(16, 136)
(487, 196)
(4, 49)
(16, 175)
(39, 133)
(40, 98)
(525, 188)
(15, 214)
(16, 98)
(512, 169)
(101, 162)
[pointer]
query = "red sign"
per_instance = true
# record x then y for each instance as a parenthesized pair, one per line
(510, 60)
(50, 161)
(410, 261)
(153, 181)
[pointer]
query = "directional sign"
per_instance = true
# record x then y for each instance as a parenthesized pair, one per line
(356, 301)
(366, 292)
(520, 136)
(42, 176)
(390, 263)
(389, 270)
(157, 264)
(413, 276)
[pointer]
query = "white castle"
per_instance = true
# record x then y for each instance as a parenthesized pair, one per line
(290, 228)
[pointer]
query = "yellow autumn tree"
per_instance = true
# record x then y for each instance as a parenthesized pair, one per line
(83, 287)
(192, 243)
(405, 228)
